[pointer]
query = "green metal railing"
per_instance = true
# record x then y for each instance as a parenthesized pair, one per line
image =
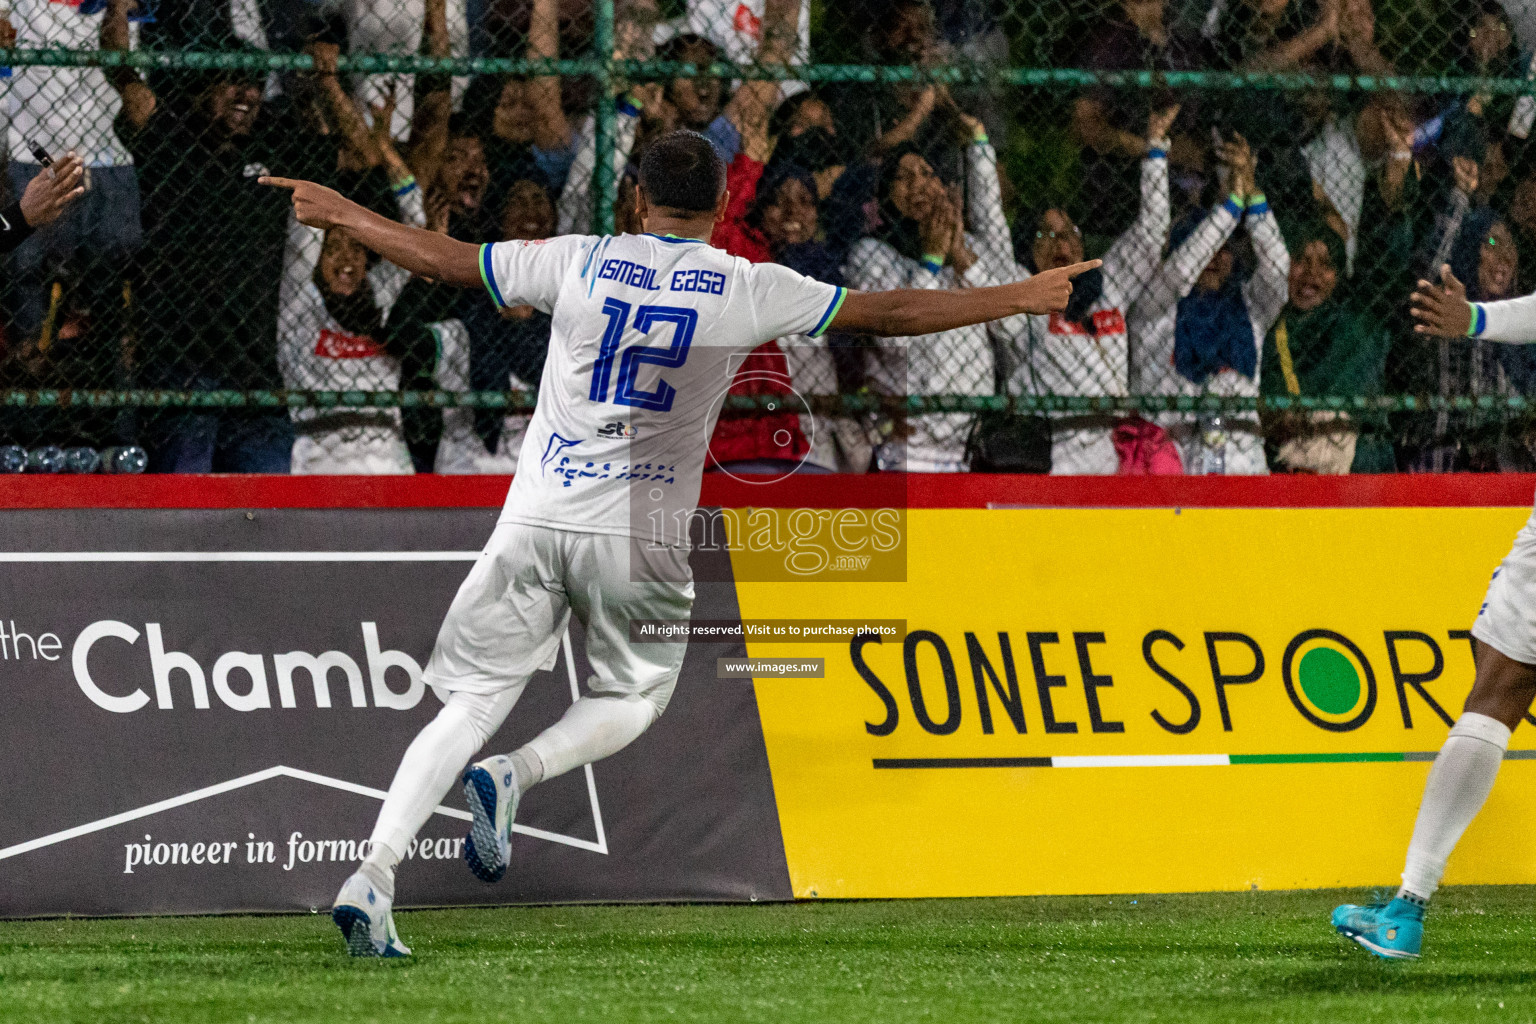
(612, 75)
(524, 401)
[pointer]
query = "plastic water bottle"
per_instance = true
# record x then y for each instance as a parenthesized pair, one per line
(81, 460)
(13, 459)
(128, 458)
(48, 458)
(891, 457)
(1213, 447)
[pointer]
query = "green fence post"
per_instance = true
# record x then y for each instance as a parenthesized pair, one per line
(607, 184)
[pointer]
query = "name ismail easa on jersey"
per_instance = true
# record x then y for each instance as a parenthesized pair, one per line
(238, 679)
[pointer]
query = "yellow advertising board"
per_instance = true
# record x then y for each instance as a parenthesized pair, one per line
(1138, 700)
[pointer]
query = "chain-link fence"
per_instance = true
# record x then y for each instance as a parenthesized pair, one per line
(1265, 181)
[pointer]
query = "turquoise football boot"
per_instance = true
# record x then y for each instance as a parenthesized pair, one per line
(1392, 930)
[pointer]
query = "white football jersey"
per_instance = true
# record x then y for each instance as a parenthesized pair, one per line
(648, 333)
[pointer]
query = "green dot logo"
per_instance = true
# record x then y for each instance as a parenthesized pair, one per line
(1329, 680)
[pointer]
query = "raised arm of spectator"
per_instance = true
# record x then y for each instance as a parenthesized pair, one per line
(388, 277)
(1090, 123)
(349, 120)
(753, 102)
(1266, 290)
(1133, 255)
(994, 245)
(1464, 173)
(1175, 276)
(401, 180)
(984, 203)
(574, 209)
(1357, 32)
(905, 130)
(138, 99)
(551, 130)
(1300, 48)
(434, 98)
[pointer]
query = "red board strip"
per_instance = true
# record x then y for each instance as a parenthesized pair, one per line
(813, 491)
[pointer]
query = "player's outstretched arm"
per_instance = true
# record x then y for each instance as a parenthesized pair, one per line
(1443, 311)
(422, 252)
(912, 311)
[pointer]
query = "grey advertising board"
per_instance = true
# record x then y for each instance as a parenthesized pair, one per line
(165, 747)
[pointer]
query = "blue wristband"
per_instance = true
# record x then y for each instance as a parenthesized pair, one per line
(933, 262)
(1157, 154)
(625, 105)
(1479, 320)
(1233, 206)
(404, 185)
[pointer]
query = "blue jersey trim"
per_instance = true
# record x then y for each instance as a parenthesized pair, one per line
(1479, 320)
(489, 277)
(1232, 207)
(831, 313)
(672, 238)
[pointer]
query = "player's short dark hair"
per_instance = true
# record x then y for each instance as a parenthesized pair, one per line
(682, 171)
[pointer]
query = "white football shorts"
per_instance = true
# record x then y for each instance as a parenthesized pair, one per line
(511, 611)
(1507, 620)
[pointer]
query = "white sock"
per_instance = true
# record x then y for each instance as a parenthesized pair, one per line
(591, 729)
(1458, 784)
(379, 868)
(430, 767)
(528, 768)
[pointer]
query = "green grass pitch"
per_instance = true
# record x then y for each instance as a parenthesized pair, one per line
(1245, 957)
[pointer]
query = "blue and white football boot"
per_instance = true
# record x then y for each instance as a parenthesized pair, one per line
(363, 915)
(490, 788)
(1393, 931)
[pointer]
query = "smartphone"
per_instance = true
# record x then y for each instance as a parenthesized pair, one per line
(40, 154)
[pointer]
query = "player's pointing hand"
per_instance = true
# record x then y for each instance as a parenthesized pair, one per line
(1442, 309)
(1049, 290)
(314, 205)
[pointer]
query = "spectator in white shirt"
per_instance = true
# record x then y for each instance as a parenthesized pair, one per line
(1199, 326)
(923, 244)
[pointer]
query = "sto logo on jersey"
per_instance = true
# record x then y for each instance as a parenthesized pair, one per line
(617, 429)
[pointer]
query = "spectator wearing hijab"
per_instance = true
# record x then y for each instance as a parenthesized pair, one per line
(1485, 257)
(1322, 344)
(332, 309)
(776, 218)
(1084, 350)
(1451, 226)
(922, 243)
(1199, 326)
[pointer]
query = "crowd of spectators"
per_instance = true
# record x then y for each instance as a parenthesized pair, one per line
(1257, 243)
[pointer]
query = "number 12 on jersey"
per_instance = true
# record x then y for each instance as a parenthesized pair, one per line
(683, 322)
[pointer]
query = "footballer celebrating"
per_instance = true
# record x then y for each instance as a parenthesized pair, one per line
(648, 331)
(1504, 647)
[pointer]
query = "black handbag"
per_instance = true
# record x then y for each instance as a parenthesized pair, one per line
(1007, 442)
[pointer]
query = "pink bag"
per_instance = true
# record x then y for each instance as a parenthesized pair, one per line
(1146, 450)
